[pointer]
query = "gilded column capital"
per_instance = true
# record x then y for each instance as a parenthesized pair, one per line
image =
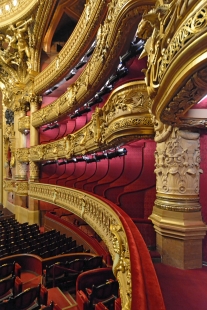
(177, 162)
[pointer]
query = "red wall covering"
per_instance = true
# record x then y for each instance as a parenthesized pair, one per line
(203, 183)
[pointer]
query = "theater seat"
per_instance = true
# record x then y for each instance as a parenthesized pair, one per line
(32, 297)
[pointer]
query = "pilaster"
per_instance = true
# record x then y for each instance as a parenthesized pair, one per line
(177, 212)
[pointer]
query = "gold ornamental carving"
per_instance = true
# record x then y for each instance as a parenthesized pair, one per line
(18, 48)
(121, 262)
(11, 11)
(33, 171)
(124, 115)
(22, 155)
(24, 124)
(189, 94)
(177, 162)
(77, 45)
(8, 185)
(108, 45)
(102, 219)
(165, 36)
(21, 188)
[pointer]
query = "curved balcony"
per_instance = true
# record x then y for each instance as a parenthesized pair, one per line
(119, 119)
(131, 261)
(76, 46)
(101, 65)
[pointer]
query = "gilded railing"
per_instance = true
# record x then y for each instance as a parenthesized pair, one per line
(77, 45)
(124, 116)
(11, 11)
(103, 219)
(112, 39)
(18, 187)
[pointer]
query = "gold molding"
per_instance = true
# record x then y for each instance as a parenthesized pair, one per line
(77, 45)
(109, 44)
(103, 219)
(124, 116)
(19, 187)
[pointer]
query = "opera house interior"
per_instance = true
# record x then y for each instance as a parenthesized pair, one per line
(102, 149)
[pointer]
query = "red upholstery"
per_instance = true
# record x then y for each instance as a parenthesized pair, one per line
(87, 280)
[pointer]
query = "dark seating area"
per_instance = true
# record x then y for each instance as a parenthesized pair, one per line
(19, 238)
(97, 289)
(31, 298)
(64, 274)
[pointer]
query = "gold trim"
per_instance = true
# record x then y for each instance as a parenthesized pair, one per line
(124, 115)
(102, 219)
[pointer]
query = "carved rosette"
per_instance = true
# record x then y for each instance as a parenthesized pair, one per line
(102, 219)
(177, 162)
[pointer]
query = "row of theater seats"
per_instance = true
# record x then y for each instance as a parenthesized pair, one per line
(120, 180)
(98, 289)
(11, 295)
(19, 238)
(64, 274)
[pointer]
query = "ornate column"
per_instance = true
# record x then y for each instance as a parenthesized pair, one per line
(177, 212)
(20, 142)
(34, 140)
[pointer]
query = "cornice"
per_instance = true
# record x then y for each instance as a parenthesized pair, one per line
(124, 116)
(77, 45)
(112, 40)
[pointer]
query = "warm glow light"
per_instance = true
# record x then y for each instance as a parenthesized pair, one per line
(15, 2)
(7, 7)
(0, 11)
